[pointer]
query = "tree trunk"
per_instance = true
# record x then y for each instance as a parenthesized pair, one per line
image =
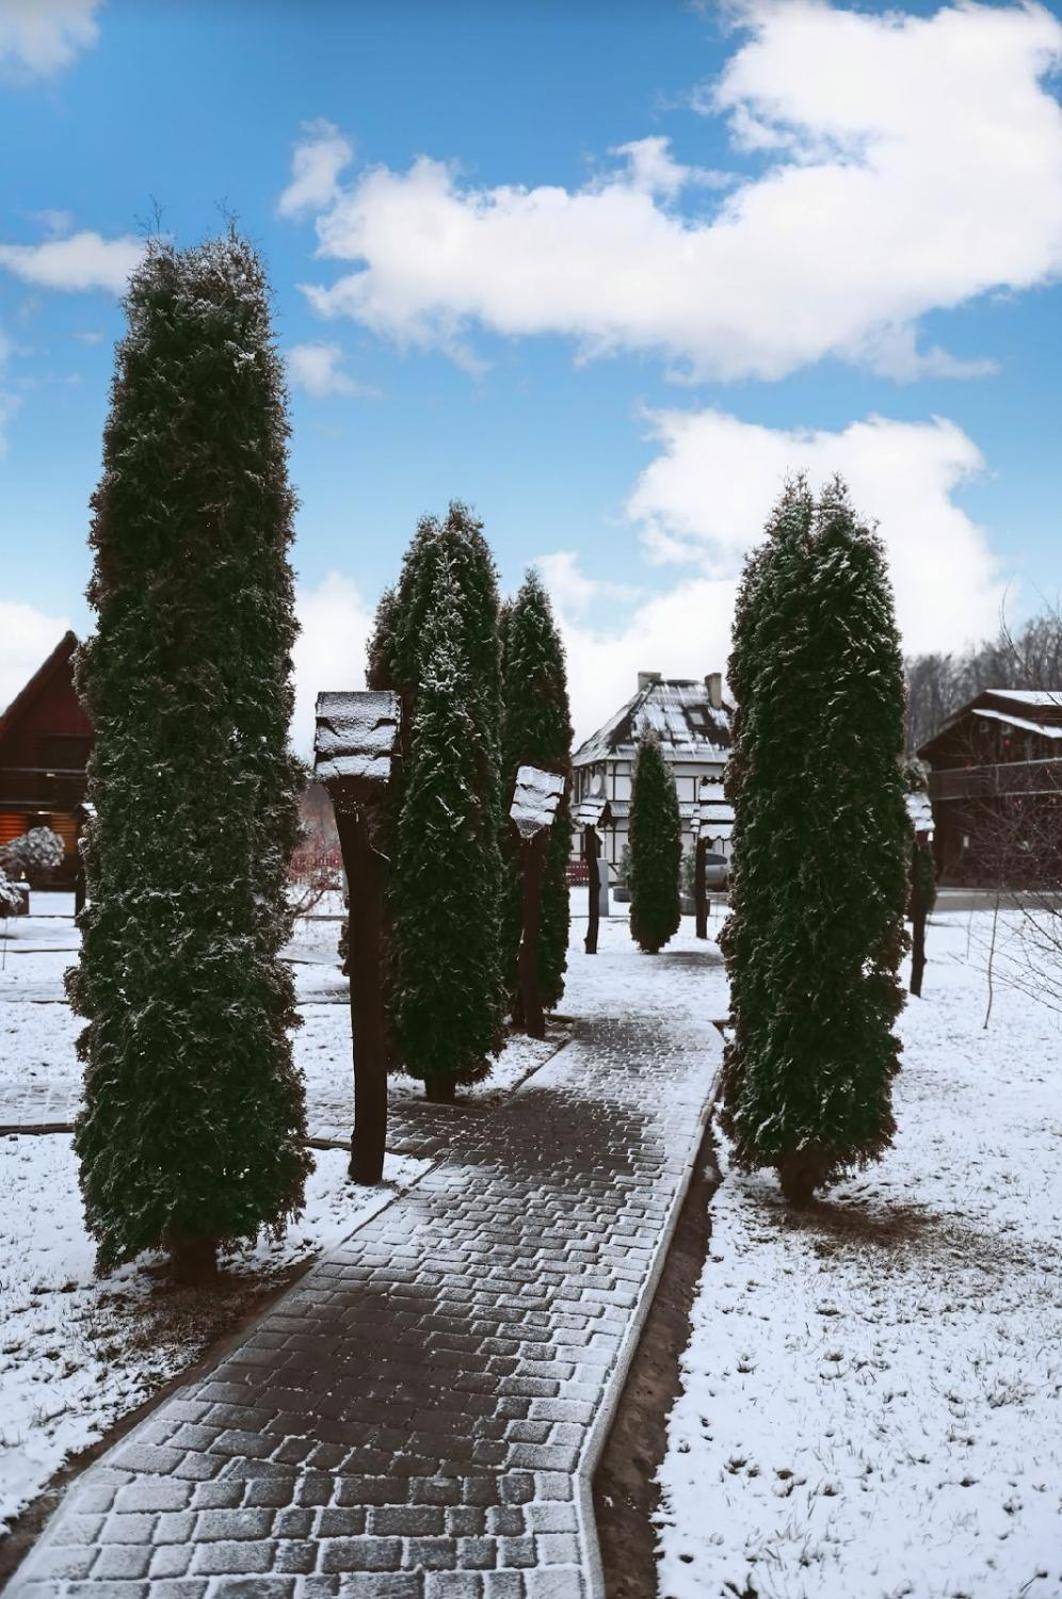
(440, 1090)
(799, 1175)
(700, 887)
(534, 862)
(194, 1261)
(592, 852)
(365, 881)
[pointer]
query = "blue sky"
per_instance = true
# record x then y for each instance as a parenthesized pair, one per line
(846, 255)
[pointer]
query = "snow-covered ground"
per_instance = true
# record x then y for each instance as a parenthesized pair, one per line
(40, 1077)
(76, 1354)
(873, 1391)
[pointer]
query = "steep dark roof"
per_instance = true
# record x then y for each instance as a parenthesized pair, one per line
(41, 677)
(679, 710)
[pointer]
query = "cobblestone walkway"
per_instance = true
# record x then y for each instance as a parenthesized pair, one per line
(419, 1417)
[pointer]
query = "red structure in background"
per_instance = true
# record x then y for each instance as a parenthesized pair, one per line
(45, 740)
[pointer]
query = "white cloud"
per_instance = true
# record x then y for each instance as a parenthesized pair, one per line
(82, 261)
(318, 368)
(41, 37)
(909, 164)
(330, 651)
(684, 632)
(703, 503)
(571, 589)
(27, 637)
(321, 155)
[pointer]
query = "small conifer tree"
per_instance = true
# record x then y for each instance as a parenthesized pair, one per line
(820, 845)
(536, 731)
(655, 834)
(447, 996)
(192, 1127)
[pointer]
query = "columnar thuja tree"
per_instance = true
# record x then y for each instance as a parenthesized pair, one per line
(193, 1118)
(448, 565)
(815, 934)
(655, 841)
(447, 996)
(536, 731)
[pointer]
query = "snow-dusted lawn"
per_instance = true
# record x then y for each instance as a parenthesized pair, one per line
(40, 1077)
(873, 1393)
(77, 1354)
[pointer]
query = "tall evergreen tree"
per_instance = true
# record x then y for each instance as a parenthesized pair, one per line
(536, 731)
(655, 838)
(765, 779)
(816, 930)
(447, 999)
(451, 558)
(194, 1113)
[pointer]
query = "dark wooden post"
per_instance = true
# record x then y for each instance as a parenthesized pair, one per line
(919, 912)
(592, 853)
(700, 885)
(365, 869)
(356, 738)
(533, 853)
(920, 813)
(536, 797)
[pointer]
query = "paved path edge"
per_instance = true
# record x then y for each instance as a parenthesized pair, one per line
(226, 1343)
(602, 1423)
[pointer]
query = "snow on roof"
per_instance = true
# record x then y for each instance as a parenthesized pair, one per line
(356, 735)
(1029, 696)
(1046, 729)
(535, 800)
(679, 710)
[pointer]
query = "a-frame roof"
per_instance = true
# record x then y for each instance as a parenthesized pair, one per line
(38, 682)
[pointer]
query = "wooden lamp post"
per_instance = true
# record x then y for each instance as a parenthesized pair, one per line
(920, 813)
(713, 823)
(592, 814)
(354, 747)
(536, 799)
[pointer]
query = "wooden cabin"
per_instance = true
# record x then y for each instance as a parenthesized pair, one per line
(996, 788)
(45, 740)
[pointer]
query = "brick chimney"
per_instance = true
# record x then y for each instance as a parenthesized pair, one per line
(714, 684)
(647, 679)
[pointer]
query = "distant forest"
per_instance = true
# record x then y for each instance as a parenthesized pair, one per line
(938, 685)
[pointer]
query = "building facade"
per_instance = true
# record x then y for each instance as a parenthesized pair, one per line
(45, 740)
(693, 723)
(996, 789)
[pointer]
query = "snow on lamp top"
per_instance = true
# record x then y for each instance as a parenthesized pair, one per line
(356, 736)
(593, 811)
(920, 813)
(714, 816)
(535, 800)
